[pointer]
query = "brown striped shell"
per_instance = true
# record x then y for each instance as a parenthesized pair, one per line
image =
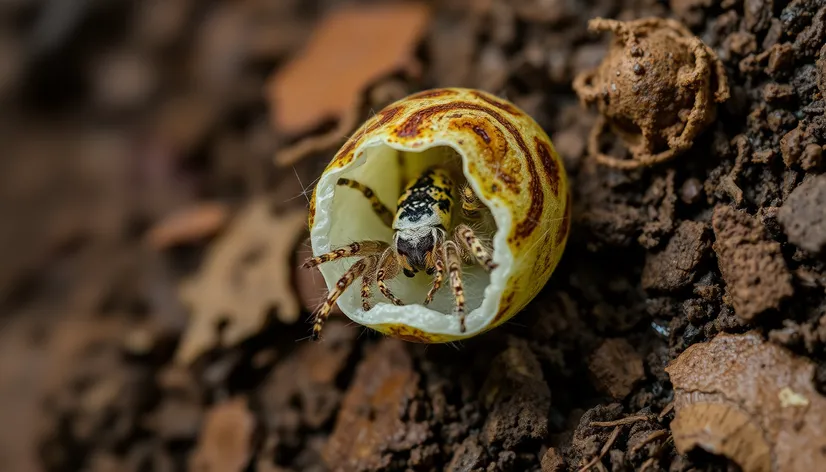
(506, 158)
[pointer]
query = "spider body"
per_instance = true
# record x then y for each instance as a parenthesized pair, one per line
(427, 236)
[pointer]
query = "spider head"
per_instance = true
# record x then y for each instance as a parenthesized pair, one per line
(415, 247)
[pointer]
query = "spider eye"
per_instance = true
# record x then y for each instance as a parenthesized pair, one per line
(408, 272)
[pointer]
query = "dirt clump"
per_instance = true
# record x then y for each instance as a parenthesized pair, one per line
(675, 266)
(752, 265)
(803, 216)
(657, 90)
(615, 367)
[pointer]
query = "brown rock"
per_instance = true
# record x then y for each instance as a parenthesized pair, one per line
(803, 215)
(615, 367)
(752, 266)
(750, 400)
(673, 267)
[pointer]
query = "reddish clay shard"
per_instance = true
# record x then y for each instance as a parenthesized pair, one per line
(657, 90)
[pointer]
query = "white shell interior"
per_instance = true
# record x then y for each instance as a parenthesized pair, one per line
(343, 216)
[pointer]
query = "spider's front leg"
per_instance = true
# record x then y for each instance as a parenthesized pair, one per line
(388, 269)
(366, 248)
(438, 270)
(355, 271)
(363, 268)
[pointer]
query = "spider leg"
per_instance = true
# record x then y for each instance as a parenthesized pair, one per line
(468, 238)
(355, 271)
(439, 272)
(388, 269)
(355, 249)
(366, 281)
(378, 207)
(454, 269)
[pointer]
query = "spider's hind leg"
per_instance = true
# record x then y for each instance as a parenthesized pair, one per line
(378, 207)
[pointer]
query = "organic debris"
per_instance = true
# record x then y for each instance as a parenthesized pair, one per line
(749, 400)
(657, 90)
(247, 273)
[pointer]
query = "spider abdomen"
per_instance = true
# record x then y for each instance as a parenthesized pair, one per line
(427, 201)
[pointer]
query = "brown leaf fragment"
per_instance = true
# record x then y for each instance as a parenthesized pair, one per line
(749, 400)
(803, 215)
(674, 267)
(246, 273)
(188, 225)
(225, 444)
(371, 422)
(752, 265)
(349, 49)
(615, 367)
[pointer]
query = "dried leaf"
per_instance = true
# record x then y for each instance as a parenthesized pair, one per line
(246, 273)
(189, 224)
(348, 50)
(750, 400)
(225, 444)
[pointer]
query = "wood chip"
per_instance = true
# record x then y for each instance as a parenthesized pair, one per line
(349, 49)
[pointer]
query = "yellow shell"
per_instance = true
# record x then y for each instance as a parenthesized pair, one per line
(511, 165)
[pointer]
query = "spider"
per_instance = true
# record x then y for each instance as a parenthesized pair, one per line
(421, 242)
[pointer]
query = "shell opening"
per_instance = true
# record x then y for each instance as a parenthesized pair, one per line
(343, 216)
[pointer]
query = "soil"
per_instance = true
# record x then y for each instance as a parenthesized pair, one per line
(152, 207)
